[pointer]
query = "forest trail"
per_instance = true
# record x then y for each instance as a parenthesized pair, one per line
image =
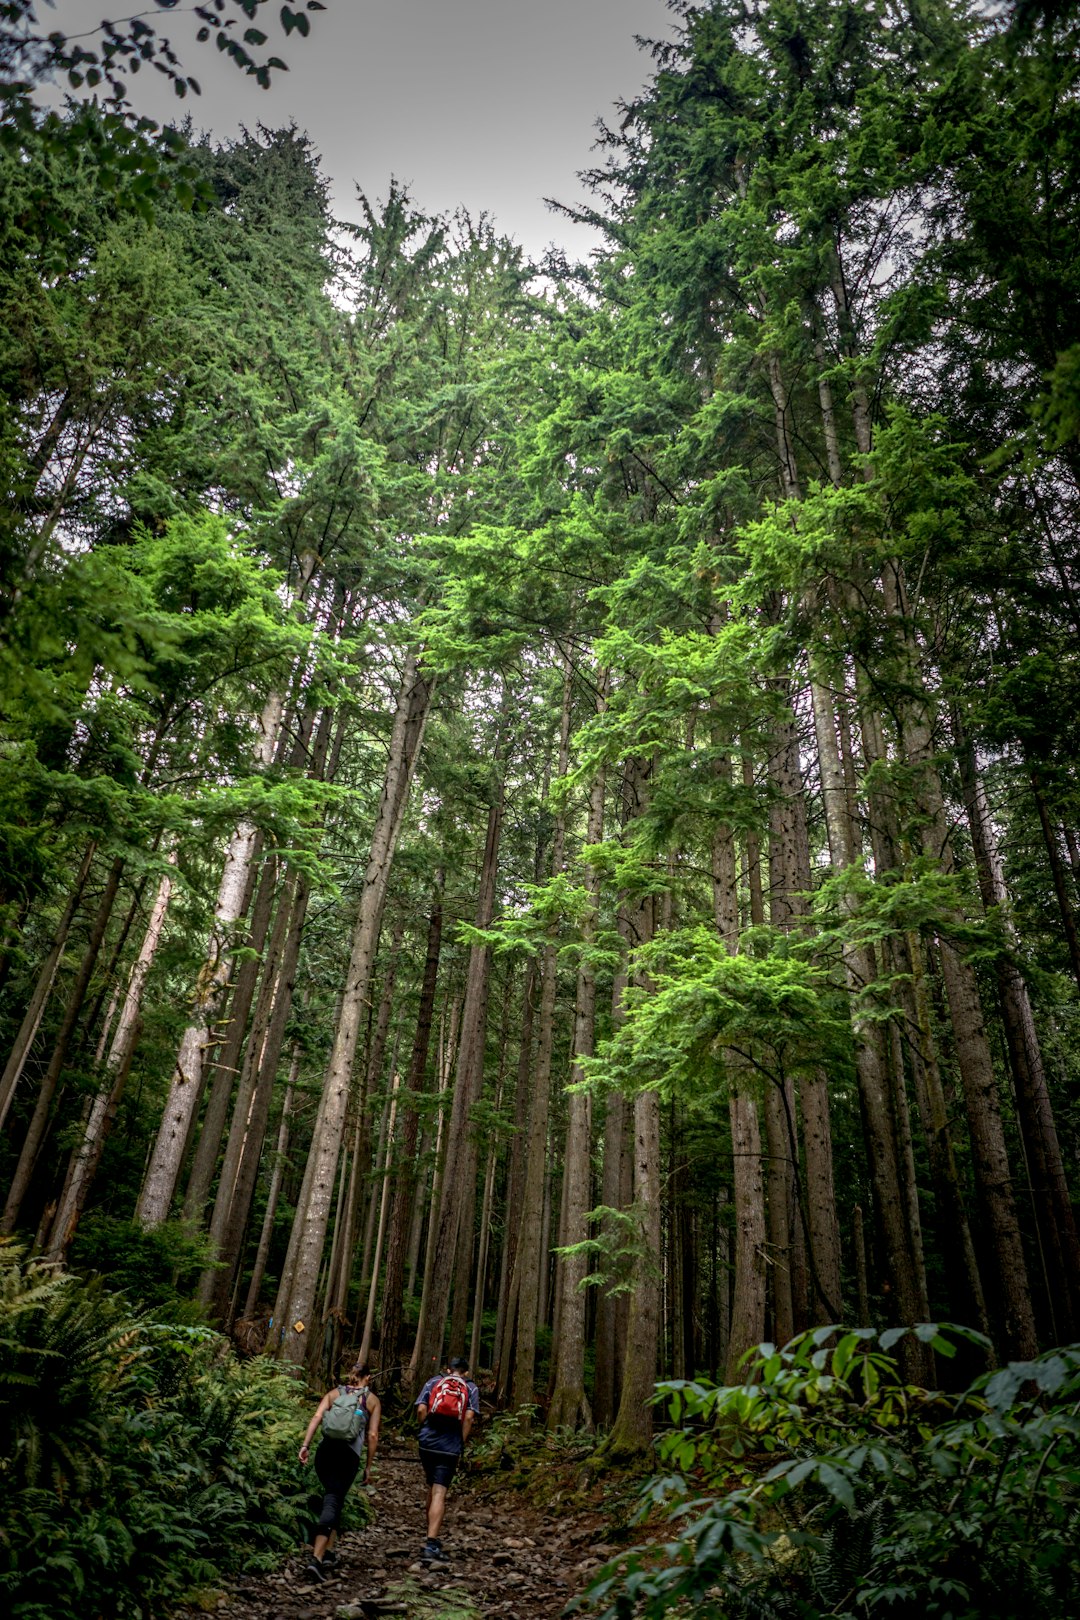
(507, 1558)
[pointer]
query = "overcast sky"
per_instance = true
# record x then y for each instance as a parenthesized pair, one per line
(489, 103)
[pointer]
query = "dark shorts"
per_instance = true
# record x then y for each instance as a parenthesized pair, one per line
(439, 1466)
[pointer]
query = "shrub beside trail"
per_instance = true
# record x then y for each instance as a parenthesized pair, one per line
(827, 1485)
(138, 1458)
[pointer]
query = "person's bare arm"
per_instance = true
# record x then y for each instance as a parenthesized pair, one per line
(467, 1424)
(320, 1412)
(374, 1406)
(422, 1412)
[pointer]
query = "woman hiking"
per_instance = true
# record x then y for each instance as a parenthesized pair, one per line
(349, 1416)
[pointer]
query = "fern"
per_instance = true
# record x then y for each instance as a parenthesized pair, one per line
(137, 1458)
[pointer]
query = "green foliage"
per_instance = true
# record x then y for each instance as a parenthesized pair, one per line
(158, 1267)
(515, 1448)
(702, 1004)
(825, 1485)
(139, 1457)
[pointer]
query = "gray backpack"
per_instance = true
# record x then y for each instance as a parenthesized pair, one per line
(347, 1416)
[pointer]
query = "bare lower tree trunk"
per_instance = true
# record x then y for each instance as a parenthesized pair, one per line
(414, 700)
(405, 1178)
(484, 1240)
(474, 1032)
(229, 1059)
(159, 1183)
(530, 1259)
(373, 1080)
(816, 1223)
(86, 1158)
(990, 1161)
(569, 1407)
(609, 1351)
(240, 1166)
(505, 1328)
(43, 984)
(958, 1249)
(1049, 1186)
(631, 1433)
(460, 1156)
(384, 1205)
(39, 1122)
(903, 1261)
(1057, 873)
(780, 1207)
(862, 1291)
(417, 1371)
(748, 1305)
(262, 1253)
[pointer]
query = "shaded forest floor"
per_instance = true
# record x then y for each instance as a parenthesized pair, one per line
(521, 1544)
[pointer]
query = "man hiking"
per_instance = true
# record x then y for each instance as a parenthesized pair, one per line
(349, 1417)
(448, 1406)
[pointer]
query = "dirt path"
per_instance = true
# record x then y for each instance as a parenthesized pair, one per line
(506, 1559)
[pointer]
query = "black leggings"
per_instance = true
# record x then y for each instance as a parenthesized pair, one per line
(336, 1464)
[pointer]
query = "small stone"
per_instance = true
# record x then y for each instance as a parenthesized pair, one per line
(502, 1558)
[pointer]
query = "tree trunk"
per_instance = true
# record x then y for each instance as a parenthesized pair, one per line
(419, 1371)
(372, 1081)
(631, 1433)
(568, 1407)
(262, 1253)
(384, 1206)
(990, 1160)
(505, 1327)
(484, 1240)
(229, 1060)
(529, 1261)
(240, 1166)
(414, 699)
(39, 1121)
(958, 1250)
(1049, 1186)
(86, 1158)
(460, 1153)
(42, 987)
(748, 1304)
(1057, 873)
(405, 1178)
(182, 1104)
(903, 1261)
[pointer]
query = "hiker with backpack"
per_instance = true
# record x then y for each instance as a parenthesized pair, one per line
(448, 1406)
(349, 1417)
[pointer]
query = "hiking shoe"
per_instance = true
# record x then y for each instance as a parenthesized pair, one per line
(330, 1560)
(433, 1553)
(314, 1574)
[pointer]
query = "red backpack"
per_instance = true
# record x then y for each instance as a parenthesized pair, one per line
(449, 1398)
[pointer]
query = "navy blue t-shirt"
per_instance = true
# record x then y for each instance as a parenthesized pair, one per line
(438, 1433)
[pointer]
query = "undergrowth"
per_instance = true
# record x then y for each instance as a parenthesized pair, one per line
(826, 1486)
(137, 1458)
